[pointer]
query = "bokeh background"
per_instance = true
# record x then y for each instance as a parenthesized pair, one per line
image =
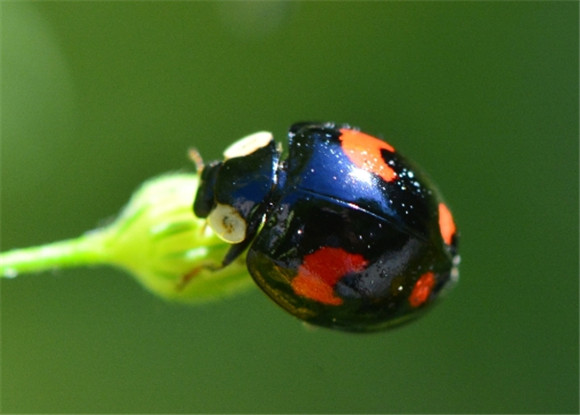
(99, 96)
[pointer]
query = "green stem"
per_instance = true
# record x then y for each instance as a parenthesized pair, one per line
(156, 238)
(84, 250)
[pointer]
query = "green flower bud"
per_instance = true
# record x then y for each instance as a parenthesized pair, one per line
(157, 239)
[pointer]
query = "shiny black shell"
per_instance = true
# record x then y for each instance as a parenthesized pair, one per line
(343, 232)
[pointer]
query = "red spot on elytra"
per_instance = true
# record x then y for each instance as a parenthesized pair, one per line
(365, 152)
(446, 224)
(321, 270)
(422, 289)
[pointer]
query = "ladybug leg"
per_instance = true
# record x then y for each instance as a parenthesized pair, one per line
(231, 255)
(184, 280)
(234, 252)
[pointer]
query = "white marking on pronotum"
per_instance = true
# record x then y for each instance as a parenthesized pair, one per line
(249, 144)
(227, 223)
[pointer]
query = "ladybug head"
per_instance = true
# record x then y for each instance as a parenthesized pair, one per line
(231, 192)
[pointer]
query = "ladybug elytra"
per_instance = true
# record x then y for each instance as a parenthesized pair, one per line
(343, 232)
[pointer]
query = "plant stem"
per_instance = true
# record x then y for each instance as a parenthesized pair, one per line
(84, 250)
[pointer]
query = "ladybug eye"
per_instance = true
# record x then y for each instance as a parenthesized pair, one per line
(249, 144)
(227, 223)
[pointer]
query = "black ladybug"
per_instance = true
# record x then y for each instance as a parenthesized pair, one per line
(344, 232)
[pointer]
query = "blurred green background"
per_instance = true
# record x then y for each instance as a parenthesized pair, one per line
(97, 97)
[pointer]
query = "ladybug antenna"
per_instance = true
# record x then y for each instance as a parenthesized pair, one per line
(195, 156)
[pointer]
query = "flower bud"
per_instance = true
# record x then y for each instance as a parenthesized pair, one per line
(169, 250)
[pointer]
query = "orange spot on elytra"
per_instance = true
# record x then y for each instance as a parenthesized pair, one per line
(422, 289)
(446, 224)
(365, 152)
(320, 272)
(316, 289)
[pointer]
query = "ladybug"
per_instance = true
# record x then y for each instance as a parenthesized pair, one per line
(343, 232)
